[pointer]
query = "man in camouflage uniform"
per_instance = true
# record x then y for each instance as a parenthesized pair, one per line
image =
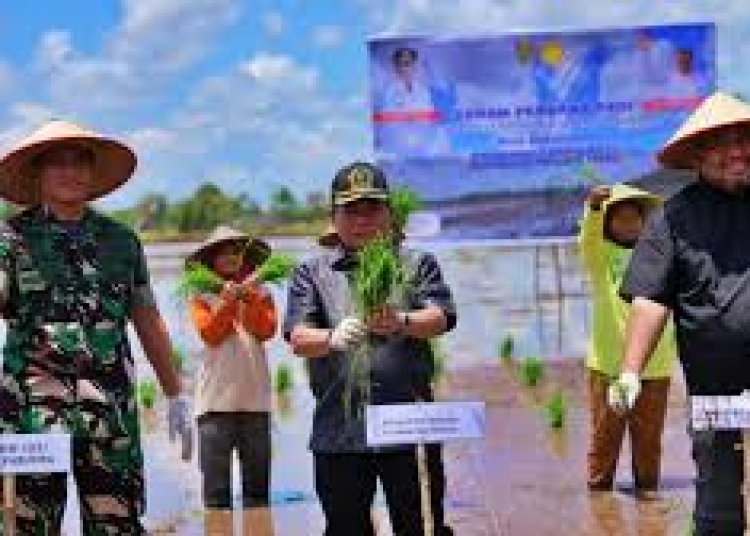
(70, 280)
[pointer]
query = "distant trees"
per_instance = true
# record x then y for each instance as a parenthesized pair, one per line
(209, 206)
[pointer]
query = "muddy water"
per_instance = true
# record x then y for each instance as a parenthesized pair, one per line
(522, 479)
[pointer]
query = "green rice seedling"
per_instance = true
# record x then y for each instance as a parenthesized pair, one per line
(179, 358)
(532, 371)
(377, 280)
(556, 409)
(147, 393)
(283, 380)
(378, 277)
(276, 268)
(198, 278)
(403, 202)
(437, 361)
(507, 346)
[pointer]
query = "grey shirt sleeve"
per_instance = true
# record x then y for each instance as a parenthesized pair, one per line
(303, 305)
(431, 289)
(650, 273)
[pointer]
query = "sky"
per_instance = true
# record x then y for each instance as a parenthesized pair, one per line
(257, 94)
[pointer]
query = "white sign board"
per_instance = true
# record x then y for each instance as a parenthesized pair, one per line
(424, 422)
(720, 412)
(34, 453)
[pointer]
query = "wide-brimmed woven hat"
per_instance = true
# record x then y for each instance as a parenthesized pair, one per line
(114, 162)
(256, 250)
(718, 111)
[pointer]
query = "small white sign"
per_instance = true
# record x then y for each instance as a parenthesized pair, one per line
(424, 422)
(34, 453)
(720, 412)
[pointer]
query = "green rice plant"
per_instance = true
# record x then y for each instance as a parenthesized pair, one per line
(507, 347)
(556, 409)
(147, 393)
(276, 268)
(437, 360)
(283, 380)
(378, 279)
(532, 371)
(198, 278)
(403, 202)
(179, 359)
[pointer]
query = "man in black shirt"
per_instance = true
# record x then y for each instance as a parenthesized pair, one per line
(321, 325)
(693, 260)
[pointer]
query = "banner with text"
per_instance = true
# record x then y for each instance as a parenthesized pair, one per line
(502, 136)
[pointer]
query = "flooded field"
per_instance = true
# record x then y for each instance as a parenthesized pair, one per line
(524, 478)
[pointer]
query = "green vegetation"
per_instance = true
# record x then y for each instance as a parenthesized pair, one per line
(157, 219)
(437, 360)
(378, 276)
(403, 201)
(179, 358)
(507, 347)
(197, 278)
(532, 371)
(146, 393)
(283, 380)
(276, 268)
(556, 409)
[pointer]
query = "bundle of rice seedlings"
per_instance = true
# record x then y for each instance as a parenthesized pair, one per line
(437, 361)
(403, 201)
(532, 371)
(556, 409)
(147, 393)
(507, 345)
(276, 268)
(378, 276)
(179, 358)
(197, 278)
(378, 280)
(283, 379)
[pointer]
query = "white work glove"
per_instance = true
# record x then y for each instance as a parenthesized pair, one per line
(178, 422)
(347, 334)
(623, 392)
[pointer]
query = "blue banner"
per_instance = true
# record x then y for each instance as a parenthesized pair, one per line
(502, 136)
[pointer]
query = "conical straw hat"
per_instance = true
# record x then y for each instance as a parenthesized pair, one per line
(114, 162)
(717, 111)
(256, 250)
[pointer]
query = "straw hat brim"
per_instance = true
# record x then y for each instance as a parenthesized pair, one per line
(114, 164)
(256, 251)
(680, 153)
(716, 112)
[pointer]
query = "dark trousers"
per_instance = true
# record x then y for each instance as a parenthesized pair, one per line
(220, 434)
(345, 484)
(719, 508)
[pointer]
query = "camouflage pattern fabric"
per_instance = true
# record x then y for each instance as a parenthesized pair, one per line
(67, 366)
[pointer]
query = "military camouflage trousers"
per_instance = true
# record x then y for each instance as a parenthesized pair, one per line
(110, 491)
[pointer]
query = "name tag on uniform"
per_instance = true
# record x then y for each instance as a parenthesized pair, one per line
(428, 422)
(720, 412)
(35, 453)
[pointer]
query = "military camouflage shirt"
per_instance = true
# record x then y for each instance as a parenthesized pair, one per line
(68, 292)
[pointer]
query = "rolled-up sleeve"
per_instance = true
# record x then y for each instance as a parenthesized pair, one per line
(303, 304)
(650, 273)
(6, 269)
(143, 294)
(431, 289)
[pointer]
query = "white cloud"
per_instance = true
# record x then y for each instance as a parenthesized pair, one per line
(155, 41)
(327, 36)
(274, 23)
(278, 69)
